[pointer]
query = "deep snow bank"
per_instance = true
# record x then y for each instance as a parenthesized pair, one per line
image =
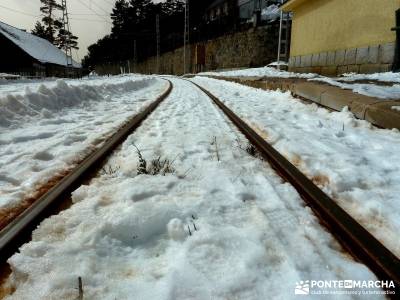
(15, 108)
(45, 131)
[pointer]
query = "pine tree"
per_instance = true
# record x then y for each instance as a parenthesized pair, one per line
(119, 16)
(171, 7)
(51, 23)
(52, 27)
(39, 30)
(66, 39)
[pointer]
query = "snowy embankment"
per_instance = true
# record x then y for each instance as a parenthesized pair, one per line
(367, 89)
(355, 163)
(382, 77)
(49, 127)
(260, 72)
(127, 235)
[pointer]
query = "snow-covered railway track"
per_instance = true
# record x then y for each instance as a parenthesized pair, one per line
(362, 245)
(231, 229)
(19, 229)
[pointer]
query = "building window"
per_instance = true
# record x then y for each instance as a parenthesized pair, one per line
(246, 9)
(226, 8)
(218, 11)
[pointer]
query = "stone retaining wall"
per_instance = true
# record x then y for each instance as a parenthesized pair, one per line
(359, 60)
(250, 48)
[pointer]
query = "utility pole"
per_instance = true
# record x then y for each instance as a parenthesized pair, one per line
(134, 56)
(280, 39)
(65, 20)
(186, 36)
(158, 42)
(283, 41)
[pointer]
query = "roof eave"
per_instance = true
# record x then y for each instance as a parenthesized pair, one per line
(291, 5)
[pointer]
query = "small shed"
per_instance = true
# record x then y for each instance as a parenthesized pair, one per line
(25, 54)
(333, 37)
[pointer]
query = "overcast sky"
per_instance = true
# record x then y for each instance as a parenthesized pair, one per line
(89, 19)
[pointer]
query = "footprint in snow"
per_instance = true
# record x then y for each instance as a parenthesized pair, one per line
(43, 155)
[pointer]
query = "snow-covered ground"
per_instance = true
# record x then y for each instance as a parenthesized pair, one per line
(383, 77)
(127, 235)
(368, 89)
(260, 72)
(355, 163)
(47, 127)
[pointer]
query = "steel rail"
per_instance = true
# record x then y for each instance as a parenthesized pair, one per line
(20, 229)
(354, 237)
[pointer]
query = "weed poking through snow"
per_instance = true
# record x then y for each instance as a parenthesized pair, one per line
(142, 166)
(80, 288)
(157, 166)
(160, 166)
(249, 148)
(109, 170)
(214, 142)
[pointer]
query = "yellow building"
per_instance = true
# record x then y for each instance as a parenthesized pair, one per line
(332, 37)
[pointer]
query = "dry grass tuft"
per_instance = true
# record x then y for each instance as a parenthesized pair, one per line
(157, 166)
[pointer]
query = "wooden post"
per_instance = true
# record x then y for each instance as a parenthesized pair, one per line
(80, 288)
(396, 62)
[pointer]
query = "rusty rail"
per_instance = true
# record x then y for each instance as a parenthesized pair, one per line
(20, 229)
(353, 236)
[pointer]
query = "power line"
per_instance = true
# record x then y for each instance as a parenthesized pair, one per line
(99, 7)
(109, 2)
(75, 19)
(88, 20)
(88, 15)
(95, 12)
(20, 12)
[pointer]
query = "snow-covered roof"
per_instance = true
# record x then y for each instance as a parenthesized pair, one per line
(36, 47)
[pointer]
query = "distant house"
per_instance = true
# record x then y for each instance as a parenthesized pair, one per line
(25, 54)
(250, 9)
(240, 10)
(332, 37)
(221, 11)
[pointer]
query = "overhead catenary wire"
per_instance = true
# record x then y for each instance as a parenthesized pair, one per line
(19, 11)
(76, 19)
(91, 9)
(95, 4)
(88, 20)
(74, 14)
(111, 3)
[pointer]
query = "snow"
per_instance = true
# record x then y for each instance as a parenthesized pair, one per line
(355, 163)
(271, 13)
(5, 75)
(396, 108)
(260, 72)
(371, 90)
(51, 125)
(36, 47)
(280, 63)
(383, 77)
(127, 235)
